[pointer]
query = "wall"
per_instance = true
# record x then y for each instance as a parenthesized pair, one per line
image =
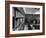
(28, 0)
(2, 20)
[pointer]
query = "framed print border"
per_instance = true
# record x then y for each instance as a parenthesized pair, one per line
(7, 18)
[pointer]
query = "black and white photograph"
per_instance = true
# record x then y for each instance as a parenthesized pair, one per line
(24, 18)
